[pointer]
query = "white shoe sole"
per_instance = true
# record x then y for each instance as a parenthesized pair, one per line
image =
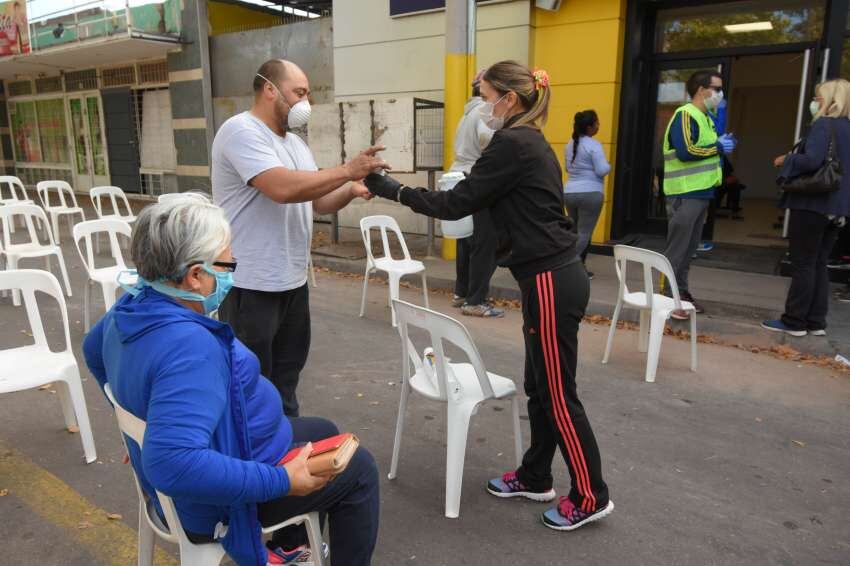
(595, 517)
(794, 333)
(544, 497)
(817, 332)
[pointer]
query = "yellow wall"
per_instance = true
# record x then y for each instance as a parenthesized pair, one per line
(581, 47)
(230, 17)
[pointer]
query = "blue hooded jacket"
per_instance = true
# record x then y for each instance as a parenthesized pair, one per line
(183, 373)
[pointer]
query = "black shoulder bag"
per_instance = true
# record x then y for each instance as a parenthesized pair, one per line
(826, 179)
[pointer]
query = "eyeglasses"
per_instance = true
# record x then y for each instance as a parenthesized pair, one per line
(228, 265)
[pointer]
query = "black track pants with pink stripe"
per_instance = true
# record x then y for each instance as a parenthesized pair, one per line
(553, 303)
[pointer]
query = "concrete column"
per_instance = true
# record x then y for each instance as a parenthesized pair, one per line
(459, 72)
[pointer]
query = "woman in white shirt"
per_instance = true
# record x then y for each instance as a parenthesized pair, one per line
(584, 160)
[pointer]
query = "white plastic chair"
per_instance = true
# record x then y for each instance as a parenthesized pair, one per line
(66, 206)
(167, 197)
(395, 268)
(17, 193)
(463, 387)
(655, 308)
(27, 367)
(115, 195)
(151, 526)
(107, 276)
(30, 214)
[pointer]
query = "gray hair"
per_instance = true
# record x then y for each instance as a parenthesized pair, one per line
(170, 236)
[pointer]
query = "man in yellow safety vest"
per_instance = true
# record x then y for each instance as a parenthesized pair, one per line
(692, 170)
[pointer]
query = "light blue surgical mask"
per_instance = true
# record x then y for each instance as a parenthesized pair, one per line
(210, 303)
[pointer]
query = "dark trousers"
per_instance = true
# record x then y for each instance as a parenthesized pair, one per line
(476, 260)
(811, 236)
(276, 327)
(686, 217)
(553, 305)
(351, 502)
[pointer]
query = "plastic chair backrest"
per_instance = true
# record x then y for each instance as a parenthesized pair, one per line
(383, 223)
(29, 281)
(15, 187)
(649, 260)
(114, 193)
(113, 227)
(167, 197)
(67, 199)
(440, 328)
(28, 212)
(134, 428)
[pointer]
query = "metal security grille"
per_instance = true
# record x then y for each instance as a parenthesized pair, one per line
(19, 88)
(48, 84)
(156, 72)
(81, 80)
(428, 135)
(118, 76)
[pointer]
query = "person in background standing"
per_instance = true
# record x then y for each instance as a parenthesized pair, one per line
(815, 219)
(692, 151)
(476, 255)
(584, 160)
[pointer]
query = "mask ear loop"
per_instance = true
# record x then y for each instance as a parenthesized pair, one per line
(274, 86)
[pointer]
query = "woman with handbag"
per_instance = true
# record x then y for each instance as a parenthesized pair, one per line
(817, 196)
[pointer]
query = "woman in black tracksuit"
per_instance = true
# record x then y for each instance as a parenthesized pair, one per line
(518, 178)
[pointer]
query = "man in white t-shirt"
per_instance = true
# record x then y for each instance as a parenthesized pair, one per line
(266, 180)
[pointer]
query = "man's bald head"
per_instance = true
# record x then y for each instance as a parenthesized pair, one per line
(276, 71)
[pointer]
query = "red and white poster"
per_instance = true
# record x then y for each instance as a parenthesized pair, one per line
(14, 29)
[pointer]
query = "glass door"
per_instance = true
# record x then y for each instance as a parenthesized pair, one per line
(670, 93)
(85, 119)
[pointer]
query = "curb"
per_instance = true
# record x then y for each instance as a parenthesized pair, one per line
(736, 325)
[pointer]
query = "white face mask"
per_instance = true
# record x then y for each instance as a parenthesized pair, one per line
(814, 107)
(713, 101)
(299, 113)
(486, 111)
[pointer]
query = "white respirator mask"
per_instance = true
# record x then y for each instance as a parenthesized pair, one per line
(299, 113)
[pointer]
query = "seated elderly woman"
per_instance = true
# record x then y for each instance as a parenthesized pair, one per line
(216, 430)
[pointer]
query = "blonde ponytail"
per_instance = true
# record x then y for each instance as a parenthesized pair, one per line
(531, 88)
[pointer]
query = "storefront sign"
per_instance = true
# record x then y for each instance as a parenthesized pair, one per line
(14, 30)
(406, 7)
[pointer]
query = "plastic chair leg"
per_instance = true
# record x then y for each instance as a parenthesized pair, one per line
(312, 270)
(613, 329)
(457, 430)
(399, 427)
(394, 280)
(75, 389)
(656, 334)
(425, 290)
(87, 306)
(517, 430)
(643, 331)
(363, 296)
(12, 263)
(147, 539)
(201, 554)
(64, 271)
(314, 535)
(693, 341)
(109, 290)
(54, 221)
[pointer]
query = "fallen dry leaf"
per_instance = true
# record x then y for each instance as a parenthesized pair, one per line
(114, 516)
(4, 492)
(73, 429)
(83, 525)
(798, 443)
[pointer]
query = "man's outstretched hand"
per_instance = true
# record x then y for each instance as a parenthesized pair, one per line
(383, 186)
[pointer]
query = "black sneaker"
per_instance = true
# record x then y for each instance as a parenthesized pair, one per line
(690, 298)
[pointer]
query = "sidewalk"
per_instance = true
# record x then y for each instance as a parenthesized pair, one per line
(735, 301)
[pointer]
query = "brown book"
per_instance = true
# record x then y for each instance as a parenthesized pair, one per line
(330, 456)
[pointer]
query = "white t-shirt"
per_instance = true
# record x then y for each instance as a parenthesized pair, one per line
(270, 240)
